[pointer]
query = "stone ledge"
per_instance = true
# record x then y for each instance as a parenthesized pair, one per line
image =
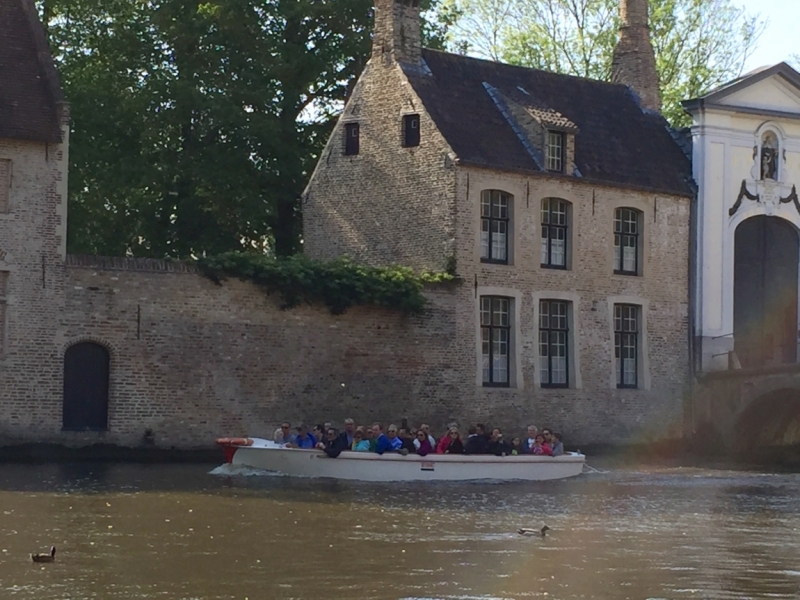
(116, 263)
(57, 453)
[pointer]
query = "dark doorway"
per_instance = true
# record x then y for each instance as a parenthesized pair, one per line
(765, 292)
(86, 387)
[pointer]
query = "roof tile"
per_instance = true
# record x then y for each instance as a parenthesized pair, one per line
(30, 95)
(616, 141)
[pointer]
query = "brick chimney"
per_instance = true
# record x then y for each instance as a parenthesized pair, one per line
(397, 30)
(634, 62)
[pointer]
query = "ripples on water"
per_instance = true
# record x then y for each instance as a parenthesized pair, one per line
(179, 532)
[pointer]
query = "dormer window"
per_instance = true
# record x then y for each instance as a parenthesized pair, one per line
(351, 139)
(769, 156)
(555, 151)
(410, 131)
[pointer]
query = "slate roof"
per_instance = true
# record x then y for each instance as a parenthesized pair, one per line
(617, 143)
(30, 94)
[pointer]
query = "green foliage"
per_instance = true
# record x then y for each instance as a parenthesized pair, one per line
(699, 44)
(196, 123)
(338, 285)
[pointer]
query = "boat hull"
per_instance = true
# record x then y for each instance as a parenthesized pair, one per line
(395, 467)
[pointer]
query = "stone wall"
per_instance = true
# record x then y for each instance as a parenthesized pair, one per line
(592, 409)
(388, 204)
(193, 360)
(32, 235)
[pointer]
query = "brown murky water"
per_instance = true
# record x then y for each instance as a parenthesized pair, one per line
(178, 532)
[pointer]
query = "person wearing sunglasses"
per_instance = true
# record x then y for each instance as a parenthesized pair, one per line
(333, 445)
(453, 444)
(284, 435)
(423, 444)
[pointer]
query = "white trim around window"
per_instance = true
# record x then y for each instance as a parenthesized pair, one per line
(516, 381)
(643, 374)
(573, 349)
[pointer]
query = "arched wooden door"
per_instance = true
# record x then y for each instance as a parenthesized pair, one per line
(766, 257)
(86, 370)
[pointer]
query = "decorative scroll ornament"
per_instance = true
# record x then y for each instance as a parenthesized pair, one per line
(792, 198)
(770, 197)
(743, 193)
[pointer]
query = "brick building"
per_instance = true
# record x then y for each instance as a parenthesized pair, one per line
(562, 203)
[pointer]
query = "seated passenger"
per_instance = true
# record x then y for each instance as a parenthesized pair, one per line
(369, 435)
(496, 444)
(540, 447)
(360, 444)
(475, 443)
(454, 444)
(516, 447)
(558, 445)
(304, 439)
(389, 442)
(408, 441)
(444, 442)
(283, 435)
(531, 438)
(319, 433)
(347, 434)
(333, 444)
(423, 444)
(427, 429)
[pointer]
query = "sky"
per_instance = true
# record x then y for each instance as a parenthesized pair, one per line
(782, 36)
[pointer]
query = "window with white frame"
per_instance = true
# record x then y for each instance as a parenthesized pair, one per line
(627, 339)
(555, 151)
(495, 226)
(627, 241)
(555, 230)
(496, 340)
(554, 343)
(3, 309)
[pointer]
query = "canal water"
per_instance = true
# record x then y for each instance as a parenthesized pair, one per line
(200, 533)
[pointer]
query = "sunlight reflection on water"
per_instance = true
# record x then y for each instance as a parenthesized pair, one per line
(177, 531)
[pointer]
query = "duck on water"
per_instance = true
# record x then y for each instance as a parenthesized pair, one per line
(45, 558)
(537, 532)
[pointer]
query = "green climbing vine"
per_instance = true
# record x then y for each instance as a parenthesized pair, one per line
(338, 284)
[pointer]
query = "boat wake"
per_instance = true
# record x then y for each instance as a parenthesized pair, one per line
(228, 470)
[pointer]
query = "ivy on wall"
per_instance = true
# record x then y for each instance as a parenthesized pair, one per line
(338, 284)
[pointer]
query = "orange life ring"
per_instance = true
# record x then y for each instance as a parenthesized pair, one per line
(235, 441)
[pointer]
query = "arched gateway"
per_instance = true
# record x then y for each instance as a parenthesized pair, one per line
(766, 256)
(86, 372)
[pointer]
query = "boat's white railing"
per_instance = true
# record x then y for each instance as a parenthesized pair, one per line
(262, 444)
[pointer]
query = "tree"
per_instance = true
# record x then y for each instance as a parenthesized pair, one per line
(196, 123)
(699, 44)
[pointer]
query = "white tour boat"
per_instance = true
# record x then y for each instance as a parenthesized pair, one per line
(366, 466)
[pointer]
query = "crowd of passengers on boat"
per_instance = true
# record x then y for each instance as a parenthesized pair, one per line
(407, 440)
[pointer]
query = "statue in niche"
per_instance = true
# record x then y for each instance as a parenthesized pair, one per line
(769, 156)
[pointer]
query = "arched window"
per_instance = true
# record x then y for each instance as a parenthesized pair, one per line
(496, 209)
(627, 241)
(555, 233)
(769, 155)
(86, 375)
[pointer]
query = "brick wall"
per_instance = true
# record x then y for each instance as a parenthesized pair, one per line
(634, 61)
(30, 242)
(193, 360)
(388, 204)
(597, 411)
